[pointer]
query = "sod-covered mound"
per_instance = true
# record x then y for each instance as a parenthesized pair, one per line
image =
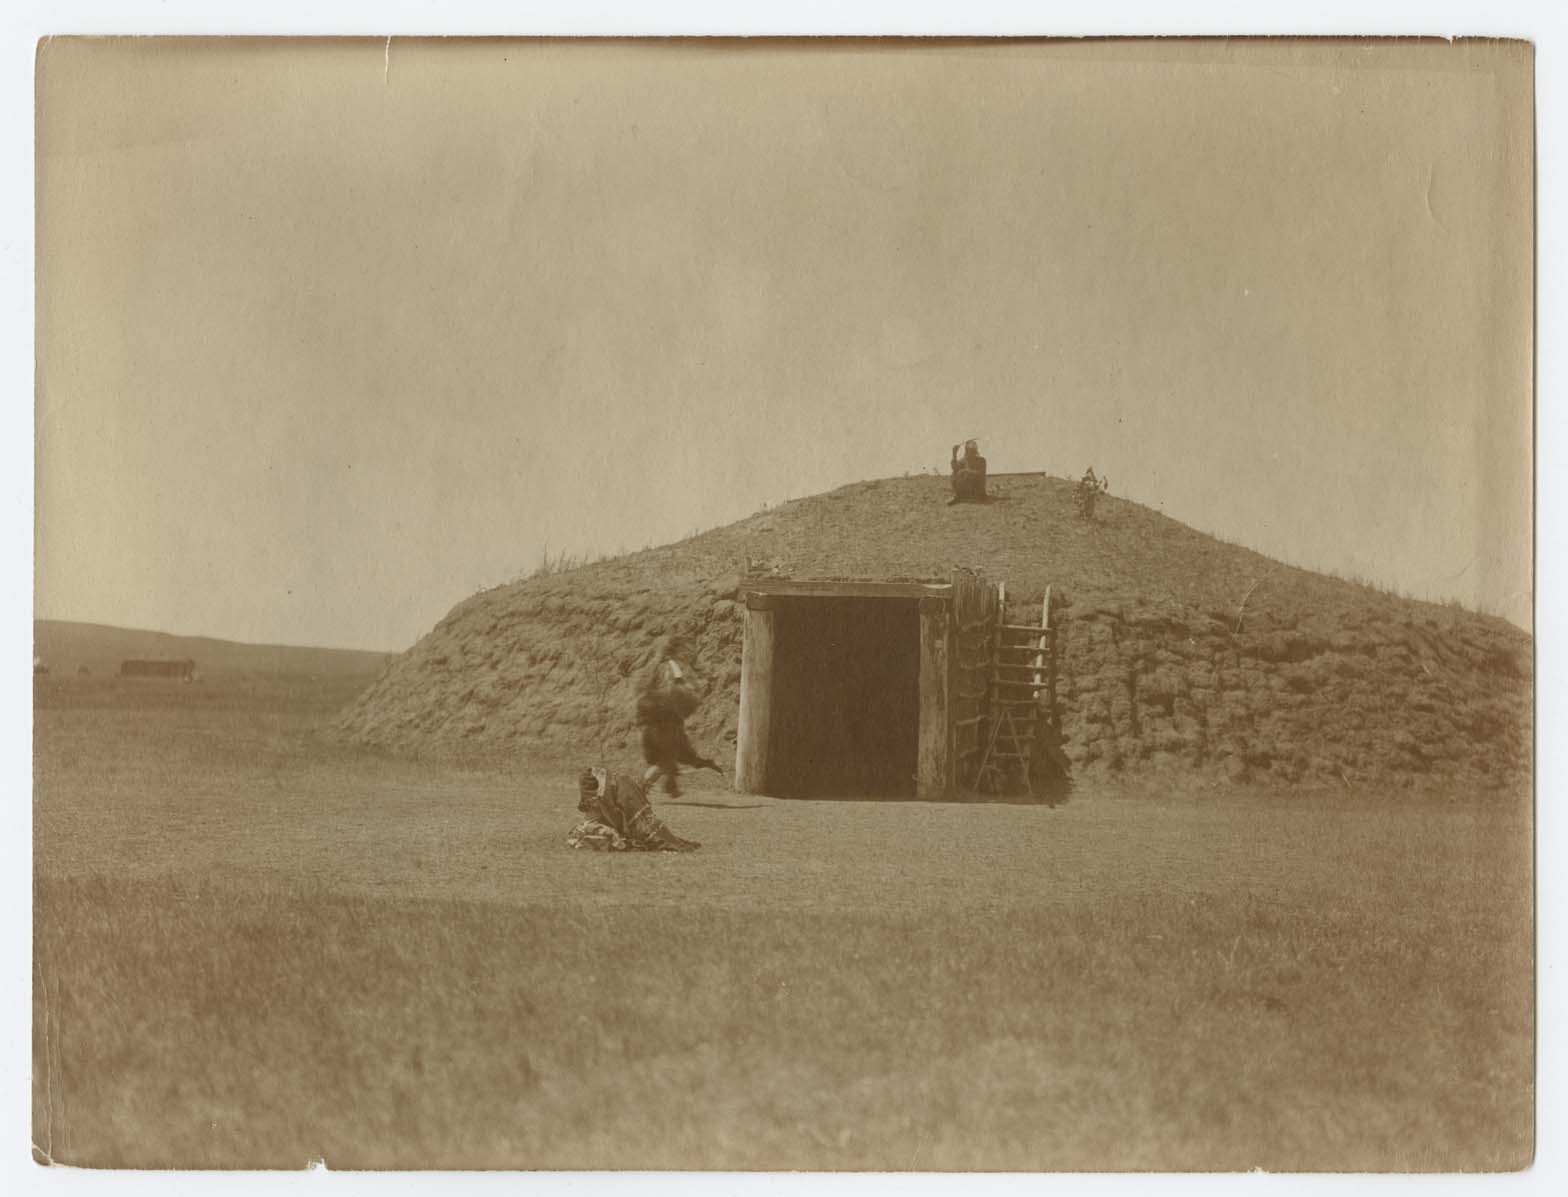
(1177, 652)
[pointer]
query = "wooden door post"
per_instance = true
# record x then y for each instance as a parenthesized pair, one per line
(933, 778)
(756, 697)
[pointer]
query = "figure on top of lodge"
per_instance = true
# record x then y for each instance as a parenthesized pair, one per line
(968, 475)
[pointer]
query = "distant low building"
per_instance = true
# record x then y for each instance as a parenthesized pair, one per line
(184, 670)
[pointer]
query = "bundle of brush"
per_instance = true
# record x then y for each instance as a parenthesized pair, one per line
(1088, 493)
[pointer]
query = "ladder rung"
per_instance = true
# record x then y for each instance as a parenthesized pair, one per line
(970, 722)
(1020, 668)
(1015, 702)
(1024, 627)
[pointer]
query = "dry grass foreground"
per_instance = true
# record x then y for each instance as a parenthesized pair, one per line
(255, 949)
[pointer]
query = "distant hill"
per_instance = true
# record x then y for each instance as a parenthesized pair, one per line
(64, 647)
(1177, 651)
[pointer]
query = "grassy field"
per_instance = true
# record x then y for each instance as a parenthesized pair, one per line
(253, 948)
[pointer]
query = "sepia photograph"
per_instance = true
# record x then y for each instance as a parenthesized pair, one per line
(894, 605)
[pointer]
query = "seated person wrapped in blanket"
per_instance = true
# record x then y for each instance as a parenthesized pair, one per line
(619, 818)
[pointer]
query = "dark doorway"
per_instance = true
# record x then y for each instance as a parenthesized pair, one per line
(846, 698)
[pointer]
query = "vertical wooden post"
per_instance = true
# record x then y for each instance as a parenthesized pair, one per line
(1049, 640)
(1045, 632)
(932, 771)
(993, 709)
(756, 697)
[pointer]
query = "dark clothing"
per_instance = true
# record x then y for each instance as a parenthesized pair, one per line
(969, 479)
(661, 713)
(666, 746)
(665, 703)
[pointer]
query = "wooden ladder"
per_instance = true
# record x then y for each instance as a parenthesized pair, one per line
(1019, 676)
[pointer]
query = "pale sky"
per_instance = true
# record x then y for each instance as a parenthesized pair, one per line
(333, 335)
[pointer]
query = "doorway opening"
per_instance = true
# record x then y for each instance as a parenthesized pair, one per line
(846, 698)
